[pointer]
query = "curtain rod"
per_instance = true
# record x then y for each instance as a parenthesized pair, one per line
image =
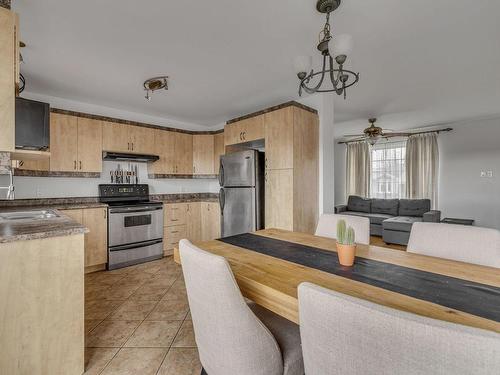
(406, 134)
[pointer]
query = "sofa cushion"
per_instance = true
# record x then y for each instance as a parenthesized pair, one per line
(385, 206)
(400, 223)
(414, 207)
(358, 204)
(374, 218)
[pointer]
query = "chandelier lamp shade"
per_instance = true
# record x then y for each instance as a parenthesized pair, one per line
(334, 50)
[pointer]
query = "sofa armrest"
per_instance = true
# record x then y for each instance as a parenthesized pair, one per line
(433, 216)
(341, 208)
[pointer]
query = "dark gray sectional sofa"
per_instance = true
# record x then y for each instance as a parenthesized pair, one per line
(391, 219)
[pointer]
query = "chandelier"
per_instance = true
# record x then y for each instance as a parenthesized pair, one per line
(334, 51)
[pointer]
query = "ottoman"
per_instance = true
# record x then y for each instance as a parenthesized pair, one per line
(397, 230)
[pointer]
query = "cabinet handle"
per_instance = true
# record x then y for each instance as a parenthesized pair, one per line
(174, 231)
(174, 220)
(74, 164)
(132, 146)
(241, 136)
(80, 165)
(194, 168)
(244, 136)
(128, 146)
(266, 163)
(105, 213)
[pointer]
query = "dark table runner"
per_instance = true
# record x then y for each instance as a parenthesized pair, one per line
(463, 295)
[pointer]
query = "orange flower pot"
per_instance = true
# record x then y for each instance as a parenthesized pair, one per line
(346, 254)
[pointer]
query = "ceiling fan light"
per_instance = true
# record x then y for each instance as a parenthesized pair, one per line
(372, 141)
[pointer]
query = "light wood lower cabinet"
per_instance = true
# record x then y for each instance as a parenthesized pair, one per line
(210, 221)
(193, 220)
(96, 240)
(196, 221)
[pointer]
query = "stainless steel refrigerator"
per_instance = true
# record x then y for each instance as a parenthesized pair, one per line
(241, 196)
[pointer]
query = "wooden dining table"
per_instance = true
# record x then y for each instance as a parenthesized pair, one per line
(270, 264)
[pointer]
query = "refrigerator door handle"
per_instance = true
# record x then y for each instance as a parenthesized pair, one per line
(222, 201)
(221, 174)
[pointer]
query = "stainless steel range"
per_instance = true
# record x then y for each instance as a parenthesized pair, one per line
(135, 225)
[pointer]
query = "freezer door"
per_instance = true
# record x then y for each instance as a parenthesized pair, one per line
(238, 169)
(237, 211)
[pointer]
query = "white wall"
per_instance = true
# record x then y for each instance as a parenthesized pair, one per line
(473, 146)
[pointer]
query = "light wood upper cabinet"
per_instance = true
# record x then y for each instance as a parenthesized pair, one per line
(96, 247)
(116, 137)
(63, 142)
(89, 145)
(279, 138)
(210, 221)
(9, 76)
(279, 198)
(193, 220)
(164, 148)
(183, 148)
(219, 150)
(203, 154)
(142, 140)
(246, 130)
(75, 144)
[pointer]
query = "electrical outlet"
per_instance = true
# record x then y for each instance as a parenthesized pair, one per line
(483, 173)
(489, 174)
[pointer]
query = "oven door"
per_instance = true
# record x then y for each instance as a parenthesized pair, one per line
(128, 225)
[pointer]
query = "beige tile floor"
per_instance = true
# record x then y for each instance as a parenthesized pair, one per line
(137, 322)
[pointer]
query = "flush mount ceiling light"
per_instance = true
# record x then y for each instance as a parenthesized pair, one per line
(334, 51)
(153, 84)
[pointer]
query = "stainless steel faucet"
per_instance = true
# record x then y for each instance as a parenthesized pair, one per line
(10, 187)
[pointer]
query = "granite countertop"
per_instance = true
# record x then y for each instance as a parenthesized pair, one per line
(31, 229)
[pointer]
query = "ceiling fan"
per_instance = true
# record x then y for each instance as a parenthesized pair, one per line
(373, 133)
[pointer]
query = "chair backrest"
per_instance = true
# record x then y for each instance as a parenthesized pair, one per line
(230, 338)
(345, 335)
(457, 242)
(327, 226)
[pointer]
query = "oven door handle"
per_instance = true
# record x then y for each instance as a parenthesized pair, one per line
(135, 245)
(126, 211)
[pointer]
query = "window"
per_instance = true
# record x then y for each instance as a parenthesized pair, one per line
(388, 178)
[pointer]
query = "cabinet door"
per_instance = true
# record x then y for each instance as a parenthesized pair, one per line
(164, 148)
(116, 137)
(279, 199)
(279, 138)
(96, 247)
(172, 236)
(219, 150)
(7, 79)
(193, 220)
(142, 140)
(210, 221)
(63, 142)
(233, 134)
(183, 149)
(174, 214)
(252, 128)
(89, 145)
(203, 154)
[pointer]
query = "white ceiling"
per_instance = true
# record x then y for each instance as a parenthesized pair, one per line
(421, 62)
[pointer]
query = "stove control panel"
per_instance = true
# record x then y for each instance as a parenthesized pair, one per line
(123, 191)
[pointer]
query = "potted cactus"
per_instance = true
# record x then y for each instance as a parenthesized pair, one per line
(346, 247)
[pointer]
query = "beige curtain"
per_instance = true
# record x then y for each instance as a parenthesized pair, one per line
(358, 169)
(422, 164)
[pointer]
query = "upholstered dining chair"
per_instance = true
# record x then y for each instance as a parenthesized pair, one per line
(234, 337)
(327, 226)
(346, 335)
(456, 242)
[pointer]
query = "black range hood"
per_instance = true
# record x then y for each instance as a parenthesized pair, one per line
(121, 156)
